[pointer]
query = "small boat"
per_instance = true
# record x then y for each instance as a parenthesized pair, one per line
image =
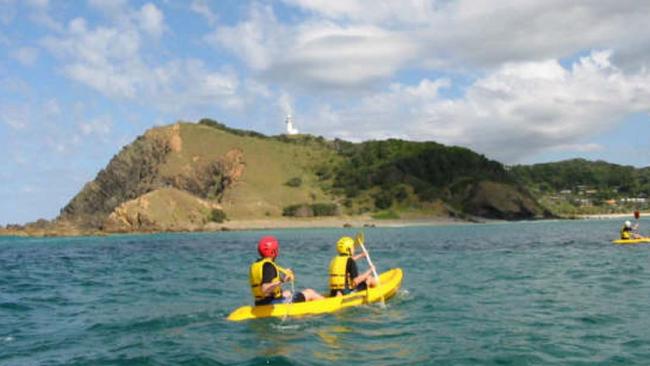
(390, 282)
(632, 241)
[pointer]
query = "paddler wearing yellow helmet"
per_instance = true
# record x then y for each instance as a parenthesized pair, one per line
(344, 275)
(266, 281)
(629, 231)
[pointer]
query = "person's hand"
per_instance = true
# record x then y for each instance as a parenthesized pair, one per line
(288, 275)
(362, 255)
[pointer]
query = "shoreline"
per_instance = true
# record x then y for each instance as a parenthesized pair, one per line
(609, 216)
(331, 222)
(289, 223)
(254, 224)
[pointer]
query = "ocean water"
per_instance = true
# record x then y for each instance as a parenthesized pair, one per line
(530, 293)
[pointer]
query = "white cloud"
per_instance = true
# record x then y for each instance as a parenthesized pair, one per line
(517, 111)
(253, 40)
(38, 4)
(51, 109)
(25, 55)
(151, 20)
(100, 126)
(286, 103)
(40, 15)
(589, 147)
(115, 61)
(352, 43)
(371, 11)
(16, 116)
(318, 53)
(202, 8)
(110, 8)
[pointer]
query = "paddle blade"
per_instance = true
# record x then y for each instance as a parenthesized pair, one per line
(359, 239)
(637, 214)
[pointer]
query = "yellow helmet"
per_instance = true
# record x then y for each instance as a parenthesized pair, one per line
(345, 245)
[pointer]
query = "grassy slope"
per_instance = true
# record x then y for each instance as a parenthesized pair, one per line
(268, 165)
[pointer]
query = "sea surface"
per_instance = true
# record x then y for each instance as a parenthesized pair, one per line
(528, 293)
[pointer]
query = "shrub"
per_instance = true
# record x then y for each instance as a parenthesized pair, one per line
(383, 200)
(386, 215)
(294, 182)
(217, 215)
(325, 209)
(311, 210)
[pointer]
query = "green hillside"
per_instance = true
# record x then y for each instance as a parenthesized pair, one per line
(580, 186)
(189, 176)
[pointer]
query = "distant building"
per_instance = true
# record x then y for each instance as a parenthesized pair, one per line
(290, 129)
(634, 200)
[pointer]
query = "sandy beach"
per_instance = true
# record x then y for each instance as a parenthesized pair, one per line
(329, 222)
(621, 216)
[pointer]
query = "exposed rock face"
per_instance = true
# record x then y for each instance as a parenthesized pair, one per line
(501, 201)
(165, 209)
(209, 179)
(135, 171)
(131, 173)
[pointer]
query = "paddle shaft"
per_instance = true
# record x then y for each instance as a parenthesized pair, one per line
(285, 272)
(372, 267)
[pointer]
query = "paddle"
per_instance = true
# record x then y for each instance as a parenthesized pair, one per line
(637, 214)
(359, 239)
(286, 273)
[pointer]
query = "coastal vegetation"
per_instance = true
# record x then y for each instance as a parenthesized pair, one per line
(201, 176)
(311, 210)
(579, 186)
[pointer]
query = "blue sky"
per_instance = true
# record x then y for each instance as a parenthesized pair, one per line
(521, 82)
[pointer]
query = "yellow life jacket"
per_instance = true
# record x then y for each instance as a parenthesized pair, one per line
(339, 278)
(625, 233)
(255, 279)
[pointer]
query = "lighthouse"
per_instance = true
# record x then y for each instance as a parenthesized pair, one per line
(290, 129)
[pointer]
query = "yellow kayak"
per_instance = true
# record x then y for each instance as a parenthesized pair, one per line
(632, 241)
(390, 283)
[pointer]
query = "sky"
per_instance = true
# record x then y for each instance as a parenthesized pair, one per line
(518, 81)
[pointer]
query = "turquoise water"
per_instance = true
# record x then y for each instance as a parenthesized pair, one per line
(542, 293)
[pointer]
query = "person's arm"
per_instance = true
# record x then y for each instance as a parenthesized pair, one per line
(362, 278)
(354, 273)
(359, 256)
(268, 274)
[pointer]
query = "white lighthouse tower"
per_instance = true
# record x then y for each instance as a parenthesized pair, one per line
(290, 129)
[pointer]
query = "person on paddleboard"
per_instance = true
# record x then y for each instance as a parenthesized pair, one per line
(344, 276)
(266, 280)
(629, 231)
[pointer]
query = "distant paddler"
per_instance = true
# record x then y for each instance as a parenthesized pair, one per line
(344, 276)
(629, 231)
(266, 277)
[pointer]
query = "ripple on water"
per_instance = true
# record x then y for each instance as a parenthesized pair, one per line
(508, 294)
(13, 306)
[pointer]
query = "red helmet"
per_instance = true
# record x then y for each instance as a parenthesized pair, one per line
(268, 246)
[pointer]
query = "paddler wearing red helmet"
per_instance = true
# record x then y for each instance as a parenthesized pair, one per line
(266, 278)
